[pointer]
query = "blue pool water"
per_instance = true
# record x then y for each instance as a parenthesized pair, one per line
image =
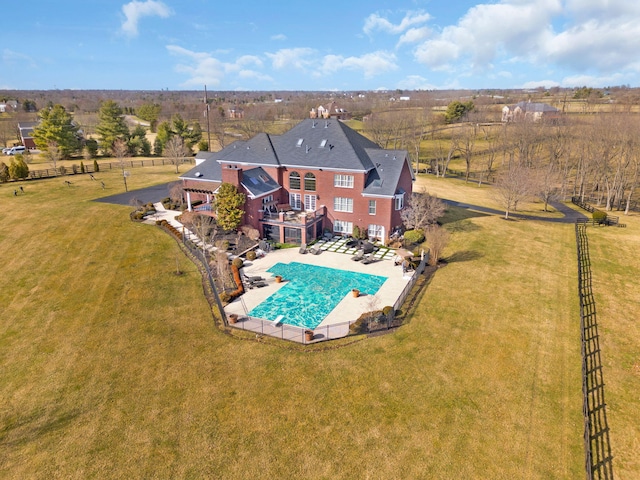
(311, 292)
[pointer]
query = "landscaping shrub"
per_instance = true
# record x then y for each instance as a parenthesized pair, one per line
(225, 297)
(359, 326)
(237, 262)
(96, 167)
(251, 255)
(82, 170)
(414, 236)
(74, 168)
(387, 310)
(599, 216)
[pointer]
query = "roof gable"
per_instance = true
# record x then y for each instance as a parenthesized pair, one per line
(258, 182)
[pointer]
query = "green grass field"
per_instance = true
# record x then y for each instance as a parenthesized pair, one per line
(111, 365)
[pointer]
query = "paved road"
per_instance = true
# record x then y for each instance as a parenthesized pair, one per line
(145, 195)
(570, 215)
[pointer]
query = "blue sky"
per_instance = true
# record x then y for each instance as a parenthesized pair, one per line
(320, 45)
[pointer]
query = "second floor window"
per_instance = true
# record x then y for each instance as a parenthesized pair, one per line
(294, 181)
(341, 204)
(309, 182)
(399, 201)
(372, 207)
(343, 181)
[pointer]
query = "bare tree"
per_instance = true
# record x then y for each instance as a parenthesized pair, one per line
(437, 239)
(513, 186)
(53, 154)
(121, 151)
(422, 210)
(204, 226)
(176, 193)
(546, 183)
(175, 151)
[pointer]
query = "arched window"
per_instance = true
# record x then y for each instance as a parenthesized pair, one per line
(294, 181)
(310, 182)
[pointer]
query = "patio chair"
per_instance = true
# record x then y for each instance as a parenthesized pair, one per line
(316, 250)
(358, 256)
(303, 248)
(253, 279)
(369, 259)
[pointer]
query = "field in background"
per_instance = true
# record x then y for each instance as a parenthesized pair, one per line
(111, 365)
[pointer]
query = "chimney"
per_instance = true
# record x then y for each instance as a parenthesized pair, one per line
(232, 174)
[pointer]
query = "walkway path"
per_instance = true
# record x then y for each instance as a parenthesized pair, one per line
(569, 214)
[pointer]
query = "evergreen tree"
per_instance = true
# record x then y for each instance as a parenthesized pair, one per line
(4, 173)
(56, 128)
(111, 125)
(18, 168)
(229, 206)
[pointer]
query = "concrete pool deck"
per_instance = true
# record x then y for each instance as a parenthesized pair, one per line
(349, 308)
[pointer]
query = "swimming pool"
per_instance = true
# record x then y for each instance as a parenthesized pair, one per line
(311, 292)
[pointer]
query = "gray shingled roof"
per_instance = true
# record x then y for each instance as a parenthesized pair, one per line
(258, 182)
(209, 169)
(313, 143)
(344, 147)
(383, 179)
(535, 107)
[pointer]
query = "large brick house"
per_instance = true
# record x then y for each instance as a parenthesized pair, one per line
(319, 176)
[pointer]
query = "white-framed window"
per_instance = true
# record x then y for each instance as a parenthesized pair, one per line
(343, 181)
(372, 207)
(340, 226)
(375, 231)
(310, 203)
(398, 201)
(342, 204)
(294, 201)
(267, 199)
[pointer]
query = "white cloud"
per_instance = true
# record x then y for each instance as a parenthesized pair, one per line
(593, 81)
(601, 36)
(414, 35)
(291, 58)
(134, 11)
(11, 57)
(376, 22)
(203, 69)
(415, 82)
(540, 83)
(279, 37)
(371, 64)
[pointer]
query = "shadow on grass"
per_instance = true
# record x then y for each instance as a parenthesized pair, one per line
(455, 215)
(26, 429)
(463, 256)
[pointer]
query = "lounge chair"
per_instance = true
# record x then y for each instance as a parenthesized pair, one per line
(253, 279)
(303, 248)
(369, 259)
(257, 283)
(358, 256)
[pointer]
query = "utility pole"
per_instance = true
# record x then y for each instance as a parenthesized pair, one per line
(206, 114)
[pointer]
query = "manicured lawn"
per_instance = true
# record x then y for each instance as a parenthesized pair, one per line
(111, 365)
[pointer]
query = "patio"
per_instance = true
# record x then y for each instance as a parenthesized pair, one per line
(335, 254)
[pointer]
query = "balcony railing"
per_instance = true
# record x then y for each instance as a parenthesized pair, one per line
(292, 216)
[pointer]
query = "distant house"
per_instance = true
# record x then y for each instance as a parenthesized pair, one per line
(530, 111)
(235, 112)
(332, 110)
(319, 176)
(26, 134)
(9, 106)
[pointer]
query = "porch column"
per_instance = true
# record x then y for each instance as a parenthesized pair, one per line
(189, 202)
